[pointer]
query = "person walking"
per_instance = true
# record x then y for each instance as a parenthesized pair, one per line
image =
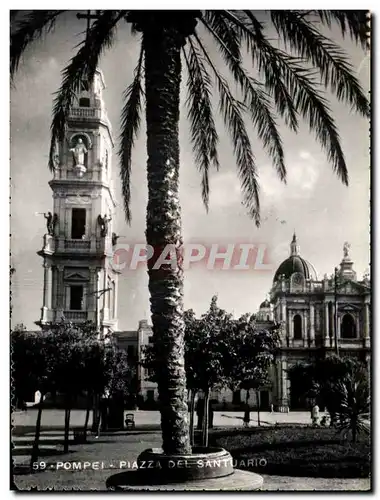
(247, 416)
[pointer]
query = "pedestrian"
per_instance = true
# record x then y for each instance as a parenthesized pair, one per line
(247, 416)
(315, 415)
(271, 408)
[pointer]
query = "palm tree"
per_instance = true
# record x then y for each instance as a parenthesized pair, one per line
(353, 404)
(290, 86)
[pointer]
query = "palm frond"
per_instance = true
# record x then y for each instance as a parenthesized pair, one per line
(302, 86)
(231, 110)
(130, 125)
(29, 28)
(352, 22)
(82, 67)
(257, 101)
(324, 54)
(275, 86)
(204, 136)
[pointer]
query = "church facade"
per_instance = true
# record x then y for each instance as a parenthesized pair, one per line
(315, 315)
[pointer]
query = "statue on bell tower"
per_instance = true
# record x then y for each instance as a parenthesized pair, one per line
(78, 153)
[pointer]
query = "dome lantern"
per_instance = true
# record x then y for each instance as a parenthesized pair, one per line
(295, 264)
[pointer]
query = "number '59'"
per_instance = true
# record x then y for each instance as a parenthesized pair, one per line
(39, 465)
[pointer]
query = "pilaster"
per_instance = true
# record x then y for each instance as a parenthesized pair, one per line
(312, 325)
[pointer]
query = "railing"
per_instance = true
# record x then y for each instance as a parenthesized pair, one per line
(75, 315)
(85, 112)
(77, 244)
(90, 113)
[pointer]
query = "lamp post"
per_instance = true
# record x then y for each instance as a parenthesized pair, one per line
(96, 408)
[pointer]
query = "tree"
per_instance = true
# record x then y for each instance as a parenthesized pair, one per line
(206, 359)
(353, 397)
(254, 351)
(209, 354)
(317, 379)
(289, 84)
(33, 366)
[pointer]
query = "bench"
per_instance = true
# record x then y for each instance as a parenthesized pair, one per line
(79, 435)
(129, 421)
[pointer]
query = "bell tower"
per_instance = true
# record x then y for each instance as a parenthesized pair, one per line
(79, 281)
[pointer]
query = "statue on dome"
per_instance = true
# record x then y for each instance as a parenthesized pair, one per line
(78, 152)
(346, 248)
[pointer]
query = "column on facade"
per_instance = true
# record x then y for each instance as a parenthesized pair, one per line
(278, 385)
(312, 324)
(283, 320)
(305, 328)
(357, 322)
(333, 321)
(60, 292)
(366, 321)
(116, 289)
(103, 305)
(54, 288)
(327, 323)
(96, 156)
(47, 286)
(339, 321)
(284, 385)
(290, 327)
(92, 290)
(283, 310)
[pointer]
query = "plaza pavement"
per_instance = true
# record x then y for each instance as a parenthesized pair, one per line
(116, 453)
(151, 418)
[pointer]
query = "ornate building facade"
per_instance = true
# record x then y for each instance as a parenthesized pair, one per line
(317, 317)
(314, 315)
(79, 283)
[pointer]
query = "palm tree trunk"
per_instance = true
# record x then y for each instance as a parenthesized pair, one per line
(205, 419)
(162, 80)
(192, 407)
(35, 449)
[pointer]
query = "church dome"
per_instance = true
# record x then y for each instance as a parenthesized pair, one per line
(265, 304)
(295, 264)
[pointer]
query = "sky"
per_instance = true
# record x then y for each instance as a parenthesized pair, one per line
(314, 203)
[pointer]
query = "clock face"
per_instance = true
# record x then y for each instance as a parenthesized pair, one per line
(297, 279)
